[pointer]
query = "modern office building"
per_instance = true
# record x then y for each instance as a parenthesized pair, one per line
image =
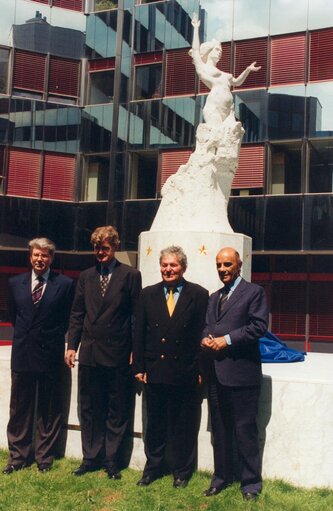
(99, 103)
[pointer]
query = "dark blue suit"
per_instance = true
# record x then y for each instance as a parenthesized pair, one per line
(234, 383)
(37, 361)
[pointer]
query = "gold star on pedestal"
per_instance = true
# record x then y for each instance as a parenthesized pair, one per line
(202, 250)
(148, 251)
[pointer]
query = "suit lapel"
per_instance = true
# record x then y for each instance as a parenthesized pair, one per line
(231, 300)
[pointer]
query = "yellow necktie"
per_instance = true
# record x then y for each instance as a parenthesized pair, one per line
(171, 302)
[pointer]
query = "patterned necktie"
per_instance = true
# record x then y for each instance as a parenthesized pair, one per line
(223, 298)
(37, 291)
(171, 302)
(104, 280)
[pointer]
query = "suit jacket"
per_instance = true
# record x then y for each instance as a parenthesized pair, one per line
(244, 318)
(39, 330)
(102, 326)
(168, 348)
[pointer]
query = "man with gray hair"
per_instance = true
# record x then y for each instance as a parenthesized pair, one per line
(166, 346)
(39, 307)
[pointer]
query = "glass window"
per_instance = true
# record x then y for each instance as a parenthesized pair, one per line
(101, 34)
(101, 87)
(97, 181)
(219, 19)
(4, 56)
(285, 168)
(321, 166)
(320, 109)
(320, 14)
(246, 215)
(143, 175)
(250, 109)
(148, 81)
(280, 213)
(318, 223)
(295, 21)
(96, 127)
(286, 112)
(251, 18)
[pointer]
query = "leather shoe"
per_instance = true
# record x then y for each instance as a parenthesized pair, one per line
(250, 496)
(83, 469)
(146, 480)
(212, 491)
(12, 468)
(113, 473)
(44, 467)
(180, 483)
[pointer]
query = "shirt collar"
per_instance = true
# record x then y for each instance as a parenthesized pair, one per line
(44, 276)
(110, 267)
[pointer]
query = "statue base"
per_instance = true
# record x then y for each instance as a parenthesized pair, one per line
(201, 249)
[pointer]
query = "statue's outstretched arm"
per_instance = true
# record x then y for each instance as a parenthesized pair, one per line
(242, 77)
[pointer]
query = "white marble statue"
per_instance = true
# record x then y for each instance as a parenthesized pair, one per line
(196, 197)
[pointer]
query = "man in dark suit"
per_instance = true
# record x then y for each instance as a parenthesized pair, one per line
(39, 306)
(236, 318)
(101, 324)
(165, 358)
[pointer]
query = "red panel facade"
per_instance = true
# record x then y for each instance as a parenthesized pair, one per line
(74, 5)
(288, 59)
(64, 77)
(247, 52)
(29, 71)
(59, 177)
(143, 59)
(180, 73)
(321, 55)
(251, 166)
(23, 173)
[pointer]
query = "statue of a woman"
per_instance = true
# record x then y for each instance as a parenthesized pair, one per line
(219, 103)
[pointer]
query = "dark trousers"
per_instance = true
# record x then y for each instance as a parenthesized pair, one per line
(29, 392)
(105, 406)
(173, 413)
(233, 414)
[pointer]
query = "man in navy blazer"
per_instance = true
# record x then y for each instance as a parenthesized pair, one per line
(166, 359)
(101, 325)
(236, 318)
(39, 307)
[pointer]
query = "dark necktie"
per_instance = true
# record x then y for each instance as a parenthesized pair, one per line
(104, 280)
(37, 291)
(223, 298)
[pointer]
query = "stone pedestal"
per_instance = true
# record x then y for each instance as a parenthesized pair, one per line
(201, 249)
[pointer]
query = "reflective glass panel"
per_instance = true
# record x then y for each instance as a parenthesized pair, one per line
(321, 166)
(250, 109)
(286, 112)
(320, 109)
(288, 16)
(251, 18)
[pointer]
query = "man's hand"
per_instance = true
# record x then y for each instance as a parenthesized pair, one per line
(70, 358)
(142, 377)
(214, 343)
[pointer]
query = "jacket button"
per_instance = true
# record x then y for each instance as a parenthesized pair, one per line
(175, 357)
(177, 342)
(162, 357)
(163, 340)
(156, 325)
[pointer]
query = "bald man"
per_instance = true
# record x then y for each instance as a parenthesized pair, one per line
(236, 318)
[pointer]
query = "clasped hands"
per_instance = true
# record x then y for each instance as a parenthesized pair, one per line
(213, 343)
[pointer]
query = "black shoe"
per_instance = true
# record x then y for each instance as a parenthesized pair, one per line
(113, 473)
(212, 491)
(146, 480)
(12, 468)
(250, 496)
(83, 469)
(180, 483)
(44, 467)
